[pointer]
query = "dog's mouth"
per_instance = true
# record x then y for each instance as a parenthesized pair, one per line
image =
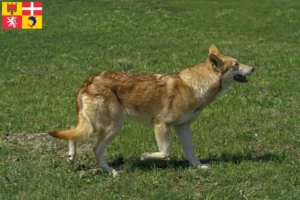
(240, 78)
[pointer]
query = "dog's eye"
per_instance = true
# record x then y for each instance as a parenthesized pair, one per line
(236, 66)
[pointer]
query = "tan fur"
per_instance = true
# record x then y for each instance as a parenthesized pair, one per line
(164, 100)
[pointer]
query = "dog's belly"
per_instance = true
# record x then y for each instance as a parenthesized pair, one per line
(136, 116)
(189, 116)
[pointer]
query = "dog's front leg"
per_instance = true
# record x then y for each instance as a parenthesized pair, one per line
(184, 136)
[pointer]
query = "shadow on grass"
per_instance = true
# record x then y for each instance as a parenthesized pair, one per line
(224, 157)
(239, 157)
(173, 163)
(159, 164)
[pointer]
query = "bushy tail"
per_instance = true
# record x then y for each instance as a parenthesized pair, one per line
(82, 130)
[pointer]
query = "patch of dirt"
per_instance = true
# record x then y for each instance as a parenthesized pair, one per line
(42, 142)
(35, 140)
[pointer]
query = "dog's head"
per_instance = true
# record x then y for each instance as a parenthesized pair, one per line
(230, 69)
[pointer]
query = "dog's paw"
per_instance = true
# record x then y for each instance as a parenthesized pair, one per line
(71, 159)
(203, 166)
(144, 156)
(115, 173)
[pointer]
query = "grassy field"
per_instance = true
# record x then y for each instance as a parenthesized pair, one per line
(250, 135)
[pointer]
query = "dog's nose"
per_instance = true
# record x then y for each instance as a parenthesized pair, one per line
(252, 69)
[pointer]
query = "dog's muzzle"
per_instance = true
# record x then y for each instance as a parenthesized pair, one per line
(243, 78)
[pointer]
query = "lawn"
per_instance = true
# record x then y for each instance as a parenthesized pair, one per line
(250, 135)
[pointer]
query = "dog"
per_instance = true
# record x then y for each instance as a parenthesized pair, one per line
(163, 100)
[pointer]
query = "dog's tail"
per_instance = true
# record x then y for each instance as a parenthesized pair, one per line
(83, 129)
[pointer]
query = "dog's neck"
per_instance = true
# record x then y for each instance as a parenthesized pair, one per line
(206, 85)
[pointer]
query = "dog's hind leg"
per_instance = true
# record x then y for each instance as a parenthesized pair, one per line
(104, 137)
(184, 136)
(72, 151)
(162, 136)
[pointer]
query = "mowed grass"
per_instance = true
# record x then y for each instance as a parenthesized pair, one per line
(250, 135)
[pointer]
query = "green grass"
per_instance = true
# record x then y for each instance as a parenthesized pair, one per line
(250, 135)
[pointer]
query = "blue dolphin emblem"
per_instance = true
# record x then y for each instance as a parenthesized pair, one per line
(33, 21)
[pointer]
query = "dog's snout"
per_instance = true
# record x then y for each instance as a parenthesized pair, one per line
(252, 69)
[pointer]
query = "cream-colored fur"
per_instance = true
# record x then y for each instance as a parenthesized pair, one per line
(163, 100)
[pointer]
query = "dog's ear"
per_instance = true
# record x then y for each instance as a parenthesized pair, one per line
(215, 61)
(213, 50)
